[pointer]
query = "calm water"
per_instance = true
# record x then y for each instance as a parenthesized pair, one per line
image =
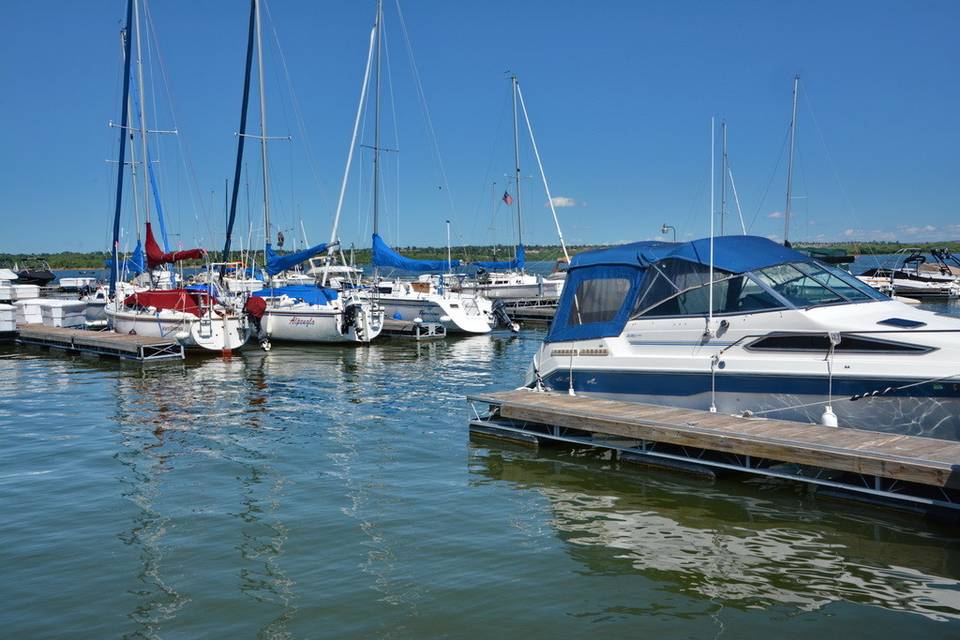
(335, 493)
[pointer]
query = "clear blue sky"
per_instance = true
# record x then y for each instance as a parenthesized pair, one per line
(620, 95)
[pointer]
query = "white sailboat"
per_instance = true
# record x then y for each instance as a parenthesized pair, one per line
(422, 301)
(296, 308)
(509, 280)
(194, 318)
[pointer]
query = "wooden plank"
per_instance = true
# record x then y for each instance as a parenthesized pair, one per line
(869, 452)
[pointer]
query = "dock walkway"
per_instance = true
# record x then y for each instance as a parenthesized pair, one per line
(102, 343)
(890, 466)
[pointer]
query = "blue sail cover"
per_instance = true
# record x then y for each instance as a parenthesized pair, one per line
(277, 263)
(516, 263)
(602, 286)
(134, 265)
(308, 293)
(384, 256)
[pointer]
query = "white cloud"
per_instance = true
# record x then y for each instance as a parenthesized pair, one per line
(775, 214)
(562, 201)
(849, 232)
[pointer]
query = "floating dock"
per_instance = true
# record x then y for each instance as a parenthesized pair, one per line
(915, 472)
(531, 311)
(101, 343)
(413, 330)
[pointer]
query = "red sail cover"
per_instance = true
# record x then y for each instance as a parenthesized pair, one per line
(193, 302)
(156, 257)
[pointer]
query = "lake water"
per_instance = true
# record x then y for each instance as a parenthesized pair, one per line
(335, 493)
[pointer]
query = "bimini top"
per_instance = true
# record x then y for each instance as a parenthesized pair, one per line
(607, 287)
(735, 254)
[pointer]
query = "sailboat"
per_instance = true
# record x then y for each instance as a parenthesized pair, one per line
(194, 318)
(430, 299)
(294, 312)
(508, 280)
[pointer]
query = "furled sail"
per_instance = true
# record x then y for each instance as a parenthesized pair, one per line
(516, 263)
(277, 263)
(156, 257)
(384, 256)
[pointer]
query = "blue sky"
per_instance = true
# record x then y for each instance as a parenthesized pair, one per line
(620, 95)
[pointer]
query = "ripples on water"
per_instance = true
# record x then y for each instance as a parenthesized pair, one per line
(314, 492)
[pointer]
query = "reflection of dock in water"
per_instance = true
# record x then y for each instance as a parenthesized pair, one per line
(743, 551)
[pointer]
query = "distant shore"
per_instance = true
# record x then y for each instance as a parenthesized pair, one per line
(534, 253)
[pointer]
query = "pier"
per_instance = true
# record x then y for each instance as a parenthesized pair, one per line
(101, 343)
(914, 472)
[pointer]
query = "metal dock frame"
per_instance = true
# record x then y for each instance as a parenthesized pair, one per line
(101, 343)
(916, 473)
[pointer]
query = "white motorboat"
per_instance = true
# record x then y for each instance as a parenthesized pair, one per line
(914, 276)
(513, 285)
(785, 337)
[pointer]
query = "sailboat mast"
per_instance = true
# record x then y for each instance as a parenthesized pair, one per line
(263, 129)
(143, 111)
(516, 157)
(723, 175)
(124, 113)
(376, 135)
(793, 135)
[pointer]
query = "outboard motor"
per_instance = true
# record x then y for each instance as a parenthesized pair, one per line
(503, 318)
(255, 307)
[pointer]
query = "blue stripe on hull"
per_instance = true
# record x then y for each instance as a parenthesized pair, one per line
(930, 410)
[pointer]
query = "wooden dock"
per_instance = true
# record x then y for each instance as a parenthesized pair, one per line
(535, 311)
(918, 470)
(101, 343)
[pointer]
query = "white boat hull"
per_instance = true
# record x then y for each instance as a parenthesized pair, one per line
(457, 314)
(321, 324)
(212, 333)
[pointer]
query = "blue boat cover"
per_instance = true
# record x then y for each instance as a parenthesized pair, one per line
(516, 263)
(384, 256)
(599, 280)
(134, 265)
(308, 293)
(277, 263)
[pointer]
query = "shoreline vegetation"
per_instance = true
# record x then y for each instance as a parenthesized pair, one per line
(534, 253)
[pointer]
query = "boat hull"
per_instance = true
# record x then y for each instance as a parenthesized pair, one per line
(931, 410)
(455, 319)
(211, 334)
(312, 323)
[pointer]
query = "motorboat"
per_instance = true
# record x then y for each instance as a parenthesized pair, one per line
(34, 271)
(914, 276)
(759, 329)
(513, 285)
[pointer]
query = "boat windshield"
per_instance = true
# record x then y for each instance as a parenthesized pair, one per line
(809, 284)
(785, 286)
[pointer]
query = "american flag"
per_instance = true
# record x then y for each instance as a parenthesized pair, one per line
(507, 198)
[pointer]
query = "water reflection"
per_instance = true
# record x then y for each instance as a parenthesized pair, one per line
(733, 545)
(185, 431)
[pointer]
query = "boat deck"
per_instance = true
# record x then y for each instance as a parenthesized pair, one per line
(898, 467)
(102, 343)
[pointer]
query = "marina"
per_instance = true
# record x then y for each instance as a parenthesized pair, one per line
(445, 320)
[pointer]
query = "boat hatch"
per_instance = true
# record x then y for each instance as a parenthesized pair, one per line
(903, 322)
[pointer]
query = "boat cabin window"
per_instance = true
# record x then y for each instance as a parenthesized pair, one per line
(598, 300)
(821, 343)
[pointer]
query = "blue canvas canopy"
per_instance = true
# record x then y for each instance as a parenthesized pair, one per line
(384, 256)
(516, 263)
(277, 263)
(308, 293)
(602, 285)
(134, 265)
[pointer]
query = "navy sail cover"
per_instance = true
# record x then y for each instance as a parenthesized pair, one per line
(384, 256)
(134, 265)
(516, 263)
(603, 285)
(277, 263)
